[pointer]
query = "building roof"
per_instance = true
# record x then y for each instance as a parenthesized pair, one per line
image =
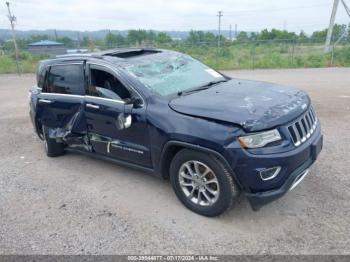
(46, 43)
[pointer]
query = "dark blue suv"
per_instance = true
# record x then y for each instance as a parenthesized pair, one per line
(166, 113)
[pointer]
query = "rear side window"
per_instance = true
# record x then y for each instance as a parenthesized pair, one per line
(40, 75)
(65, 79)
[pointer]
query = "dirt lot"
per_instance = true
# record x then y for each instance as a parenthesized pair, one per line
(78, 205)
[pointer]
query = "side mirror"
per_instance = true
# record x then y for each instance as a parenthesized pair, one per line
(136, 101)
(124, 121)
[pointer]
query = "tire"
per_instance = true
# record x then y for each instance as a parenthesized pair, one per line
(52, 147)
(210, 195)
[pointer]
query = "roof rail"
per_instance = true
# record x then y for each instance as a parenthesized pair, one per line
(94, 55)
(110, 52)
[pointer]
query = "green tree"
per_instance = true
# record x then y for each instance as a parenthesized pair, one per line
(201, 37)
(193, 37)
(253, 36)
(110, 40)
(210, 37)
(303, 37)
(275, 34)
(320, 36)
(85, 41)
(136, 36)
(36, 38)
(68, 42)
(242, 36)
(163, 38)
(151, 36)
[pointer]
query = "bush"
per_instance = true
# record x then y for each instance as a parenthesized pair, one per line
(7, 65)
(342, 56)
(27, 63)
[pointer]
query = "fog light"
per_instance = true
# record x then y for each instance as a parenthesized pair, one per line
(269, 173)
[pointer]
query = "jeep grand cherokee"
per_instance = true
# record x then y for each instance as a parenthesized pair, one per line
(166, 113)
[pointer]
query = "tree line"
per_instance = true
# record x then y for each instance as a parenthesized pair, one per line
(150, 37)
(275, 34)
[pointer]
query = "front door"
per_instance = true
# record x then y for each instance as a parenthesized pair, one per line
(116, 128)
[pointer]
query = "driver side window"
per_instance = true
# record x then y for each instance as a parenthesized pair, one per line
(105, 85)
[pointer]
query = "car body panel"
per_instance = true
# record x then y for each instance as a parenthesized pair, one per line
(251, 104)
(63, 114)
(108, 137)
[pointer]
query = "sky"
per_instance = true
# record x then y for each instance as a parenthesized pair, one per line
(182, 15)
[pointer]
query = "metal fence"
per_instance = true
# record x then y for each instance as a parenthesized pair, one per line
(265, 54)
(279, 53)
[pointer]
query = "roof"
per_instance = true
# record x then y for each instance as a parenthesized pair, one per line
(46, 43)
(118, 54)
(115, 56)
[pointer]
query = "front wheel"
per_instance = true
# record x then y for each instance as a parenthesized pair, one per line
(202, 183)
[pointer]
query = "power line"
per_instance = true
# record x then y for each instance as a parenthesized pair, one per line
(254, 11)
(290, 26)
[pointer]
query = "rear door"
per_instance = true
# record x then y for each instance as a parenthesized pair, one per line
(60, 105)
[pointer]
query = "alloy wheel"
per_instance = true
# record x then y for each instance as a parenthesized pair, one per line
(199, 183)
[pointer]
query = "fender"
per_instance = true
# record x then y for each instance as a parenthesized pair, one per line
(164, 154)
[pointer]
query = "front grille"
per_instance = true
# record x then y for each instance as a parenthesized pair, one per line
(303, 128)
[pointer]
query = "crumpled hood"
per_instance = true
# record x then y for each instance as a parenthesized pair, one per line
(253, 105)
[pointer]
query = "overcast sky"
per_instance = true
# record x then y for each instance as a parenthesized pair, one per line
(250, 15)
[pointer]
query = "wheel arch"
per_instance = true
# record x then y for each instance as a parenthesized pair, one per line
(172, 147)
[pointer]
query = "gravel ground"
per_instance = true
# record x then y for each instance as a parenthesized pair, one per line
(75, 204)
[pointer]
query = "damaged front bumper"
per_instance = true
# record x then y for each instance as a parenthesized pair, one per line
(259, 199)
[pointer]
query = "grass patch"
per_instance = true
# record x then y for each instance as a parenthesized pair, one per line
(27, 63)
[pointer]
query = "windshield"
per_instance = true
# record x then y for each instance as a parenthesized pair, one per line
(167, 75)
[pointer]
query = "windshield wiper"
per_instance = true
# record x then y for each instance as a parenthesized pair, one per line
(202, 87)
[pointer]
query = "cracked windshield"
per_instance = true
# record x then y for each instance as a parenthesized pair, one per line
(171, 75)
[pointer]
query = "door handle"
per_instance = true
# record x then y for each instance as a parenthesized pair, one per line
(46, 101)
(93, 106)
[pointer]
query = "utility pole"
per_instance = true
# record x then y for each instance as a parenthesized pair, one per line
(236, 30)
(12, 19)
(78, 34)
(347, 9)
(327, 47)
(56, 35)
(230, 32)
(219, 38)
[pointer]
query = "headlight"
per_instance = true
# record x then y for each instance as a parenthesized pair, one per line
(260, 139)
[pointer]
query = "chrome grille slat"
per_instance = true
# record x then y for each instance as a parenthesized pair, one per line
(296, 132)
(304, 131)
(311, 117)
(308, 121)
(303, 128)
